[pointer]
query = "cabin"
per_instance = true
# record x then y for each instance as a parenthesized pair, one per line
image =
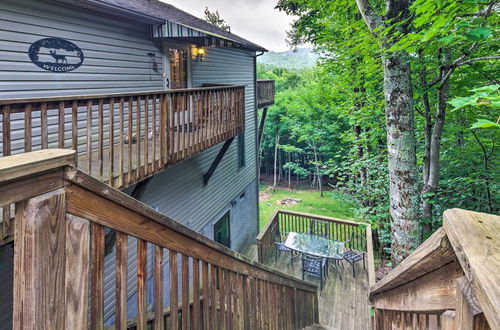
(155, 102)
(129, 191)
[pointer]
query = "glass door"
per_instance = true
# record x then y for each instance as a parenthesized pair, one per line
(222, 231)
(178, 59)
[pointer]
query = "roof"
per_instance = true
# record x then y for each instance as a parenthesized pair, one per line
(472, 238)
(164, 11)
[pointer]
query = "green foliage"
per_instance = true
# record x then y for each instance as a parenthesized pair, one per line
(338, 205)
(452, 46)
(294, 60)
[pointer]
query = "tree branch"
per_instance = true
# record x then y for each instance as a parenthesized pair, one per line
(472, 60)
(371, 18)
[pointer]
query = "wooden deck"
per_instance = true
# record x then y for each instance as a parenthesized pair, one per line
(343, 304)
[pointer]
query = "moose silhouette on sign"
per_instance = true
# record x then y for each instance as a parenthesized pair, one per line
(58, 57)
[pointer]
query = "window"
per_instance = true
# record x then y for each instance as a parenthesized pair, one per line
(241, 150)
(222, 231)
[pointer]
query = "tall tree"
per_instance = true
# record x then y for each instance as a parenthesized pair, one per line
(387, 28)
(213, 17)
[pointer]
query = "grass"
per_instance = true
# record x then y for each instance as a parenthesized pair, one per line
(336, 206)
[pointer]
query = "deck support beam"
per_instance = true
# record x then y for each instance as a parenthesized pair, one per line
(217, 160)
(261, 126)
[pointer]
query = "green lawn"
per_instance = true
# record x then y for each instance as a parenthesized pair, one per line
(312, 202)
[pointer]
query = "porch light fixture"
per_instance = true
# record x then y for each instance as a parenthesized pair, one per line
(199, 53)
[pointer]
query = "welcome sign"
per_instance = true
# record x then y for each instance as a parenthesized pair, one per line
(56, 55)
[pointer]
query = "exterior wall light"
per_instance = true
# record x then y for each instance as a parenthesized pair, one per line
(199, 53)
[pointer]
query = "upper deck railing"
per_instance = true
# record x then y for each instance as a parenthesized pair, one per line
(124, 138)
(265, 93)
(63, 219)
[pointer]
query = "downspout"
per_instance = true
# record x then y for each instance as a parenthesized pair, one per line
(257, 160)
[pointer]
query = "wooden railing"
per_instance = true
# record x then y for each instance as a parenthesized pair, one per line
(124, 138)
(63, 221)
(449, 282)
(337, 229)
(265, 93)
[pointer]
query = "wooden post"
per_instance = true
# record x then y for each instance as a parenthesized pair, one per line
(51, 263)
(448, 320)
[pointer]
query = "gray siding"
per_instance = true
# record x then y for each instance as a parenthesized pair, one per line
(116, 61)
(115, 52)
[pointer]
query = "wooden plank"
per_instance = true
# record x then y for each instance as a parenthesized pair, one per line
(39, 262)
(432, 254)
(185, 292)
(77, 272)
(60, 123)
(158, 290)
(74, 126)
(206, 294)
(127, 94)
(433, 292)
(448, 320)
(222, 299)
(111, 147)
(97, 277)
(89, 137)
(161, 230)
(141, 284)
(196, 295)
(120, 141)
(44, 135)
(474, 237)
(25, 164)
(173, 290)
(370, 260)
(213, 297)
(121, 280)
(28, 123)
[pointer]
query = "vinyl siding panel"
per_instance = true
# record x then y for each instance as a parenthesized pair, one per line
(115, 61)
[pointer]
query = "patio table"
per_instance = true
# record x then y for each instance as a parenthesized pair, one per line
(316, 245)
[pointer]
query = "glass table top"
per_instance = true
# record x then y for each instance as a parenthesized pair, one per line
(315, 245)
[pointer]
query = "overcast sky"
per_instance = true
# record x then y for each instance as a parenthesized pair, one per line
(255, 20)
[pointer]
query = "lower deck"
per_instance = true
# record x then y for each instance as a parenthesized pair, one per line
(343, 304)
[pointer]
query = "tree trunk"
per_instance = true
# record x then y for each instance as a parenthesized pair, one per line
(276, 158)
(289, 171)
(404, 195)
(426, 205)
(318, 173)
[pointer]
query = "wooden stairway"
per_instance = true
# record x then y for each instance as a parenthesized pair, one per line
(61, 217)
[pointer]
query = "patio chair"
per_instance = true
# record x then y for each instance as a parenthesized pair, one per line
(281, 248)
(352, 255)
(318, 227)
(313, 266)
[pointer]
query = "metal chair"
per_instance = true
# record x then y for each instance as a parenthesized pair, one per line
(313, 266)
(352, 255)
(280, 247)
(318, 227)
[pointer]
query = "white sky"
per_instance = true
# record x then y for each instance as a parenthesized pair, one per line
(254, 20)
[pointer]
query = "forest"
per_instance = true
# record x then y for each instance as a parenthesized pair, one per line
(401, 111)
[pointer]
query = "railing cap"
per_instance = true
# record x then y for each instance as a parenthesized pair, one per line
(17, 166)
(113, 95)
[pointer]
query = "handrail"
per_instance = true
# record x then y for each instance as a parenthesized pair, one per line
(115, 95)
(123, 138)
(338, 229)
(66, 224)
